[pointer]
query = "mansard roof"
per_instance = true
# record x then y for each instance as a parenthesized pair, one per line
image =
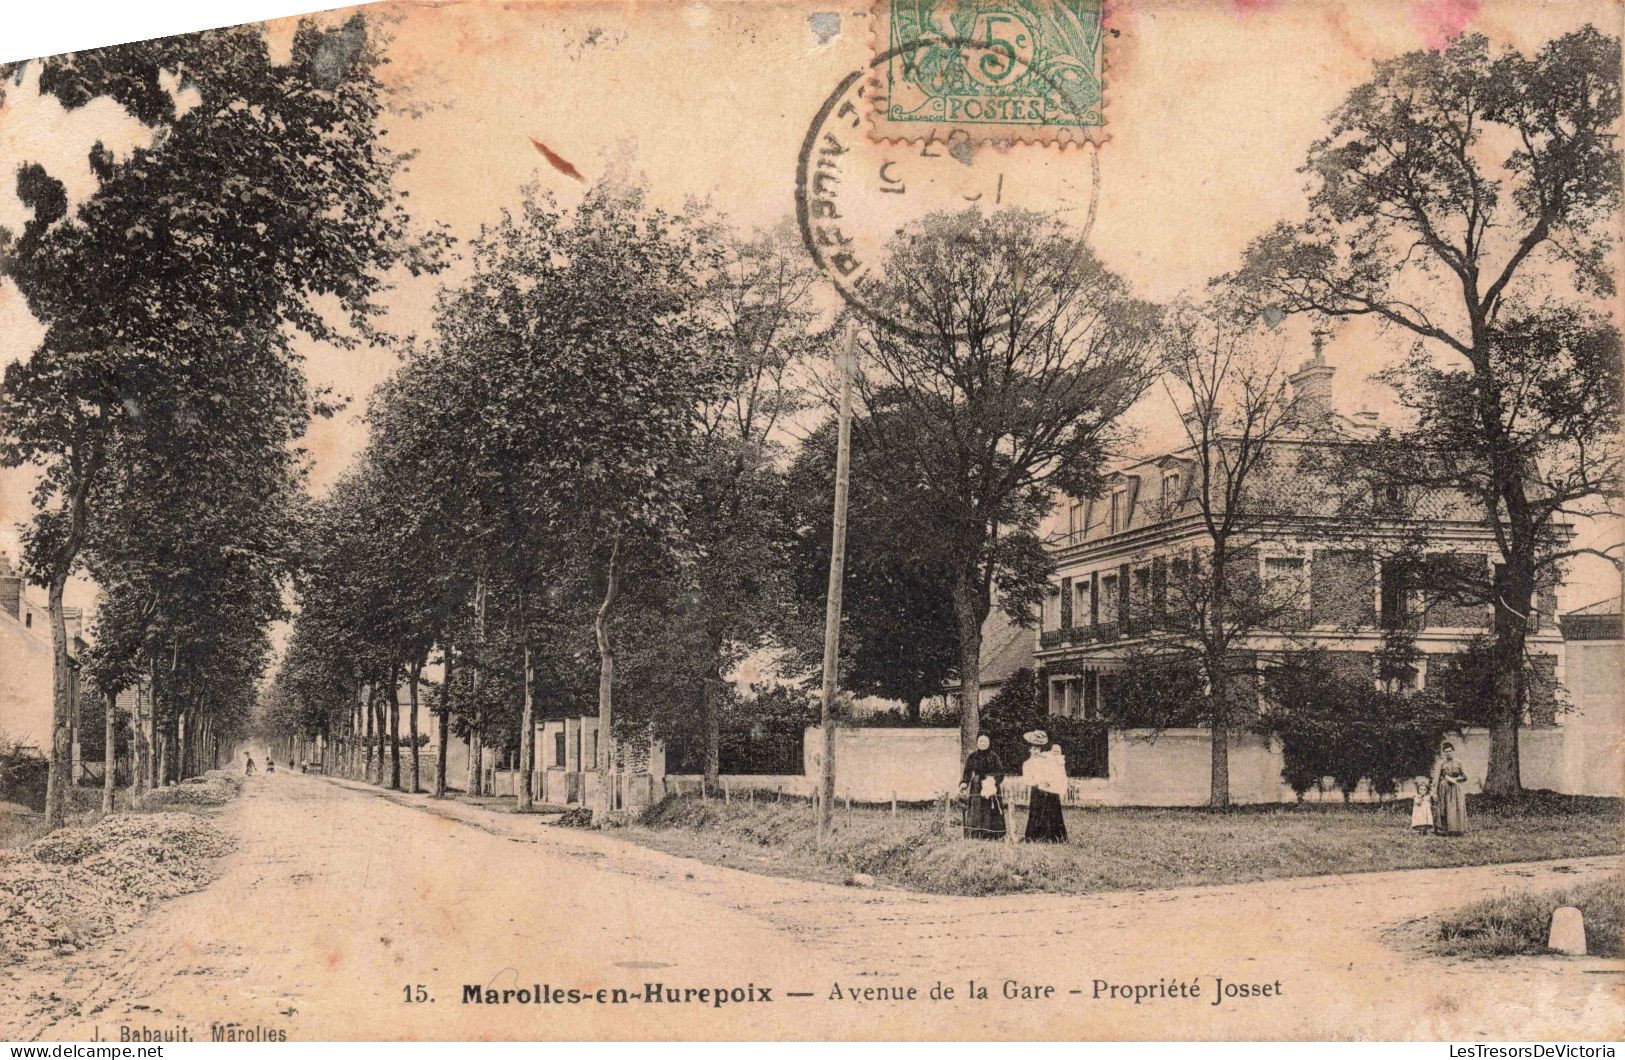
(1298, 490)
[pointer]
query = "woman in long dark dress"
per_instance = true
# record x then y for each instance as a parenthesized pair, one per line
(1045, 774)
(982, 785)
(1450, 795)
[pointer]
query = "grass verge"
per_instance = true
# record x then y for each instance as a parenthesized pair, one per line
(1113, 848)
(1516, 924)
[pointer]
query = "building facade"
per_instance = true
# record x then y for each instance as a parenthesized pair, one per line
(1594, 675)
(26, 665)
(1124, 565)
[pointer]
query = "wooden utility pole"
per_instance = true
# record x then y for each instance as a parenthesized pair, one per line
(837, 569)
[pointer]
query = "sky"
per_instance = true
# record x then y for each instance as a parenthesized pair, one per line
(1210, 107)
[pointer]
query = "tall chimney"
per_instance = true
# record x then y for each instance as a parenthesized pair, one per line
(1312, 384)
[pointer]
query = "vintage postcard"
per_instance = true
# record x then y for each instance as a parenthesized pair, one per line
(782, 519)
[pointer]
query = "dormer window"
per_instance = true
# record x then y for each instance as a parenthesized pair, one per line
(1170, 488)
(1119, 514)
(1077, 516)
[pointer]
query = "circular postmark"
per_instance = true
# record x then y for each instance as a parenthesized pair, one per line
(855, 194)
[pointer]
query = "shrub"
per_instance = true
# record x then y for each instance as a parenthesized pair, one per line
(1020, 707)
(23, 773)
(1155, 691)
(897, 718)
(761, 734)
(1332, 722)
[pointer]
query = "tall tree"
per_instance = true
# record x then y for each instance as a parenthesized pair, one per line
(580, 414)
(764, 323)
(900, 635)
(153, 268)
(1236, 474)
(1457, 191)
(1019, 354)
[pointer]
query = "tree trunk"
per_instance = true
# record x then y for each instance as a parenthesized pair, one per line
(443, 724)
(1514, 599)
(476, 772)
(476, 752)
(109, 755)
(711, 692)
(394, 731)
(417, 672)
(1219, 772)
(59, 776)
(970, 608)
(138, 753)
(1218, 684)
(914, 702)
(381, 724)
(155, 747)
(527, 735)
(606, 680)
(366, 736)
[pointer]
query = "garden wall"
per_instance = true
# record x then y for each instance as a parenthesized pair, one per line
(736, 784)
(920, 764)
(877, 765)
(1172, 769)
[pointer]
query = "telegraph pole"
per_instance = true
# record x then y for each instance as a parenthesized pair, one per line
(837, 568)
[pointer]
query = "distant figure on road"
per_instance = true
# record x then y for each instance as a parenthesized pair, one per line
(1450, 795)
(270, 765)
(248, 765)
(1045, 774)
(981, 784)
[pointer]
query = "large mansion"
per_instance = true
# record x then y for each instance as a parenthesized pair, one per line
(1120, 557)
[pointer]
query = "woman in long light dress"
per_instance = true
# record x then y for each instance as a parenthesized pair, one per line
(1450, 795)
(1045, 774)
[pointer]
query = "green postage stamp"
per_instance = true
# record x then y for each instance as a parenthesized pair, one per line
(997, 70)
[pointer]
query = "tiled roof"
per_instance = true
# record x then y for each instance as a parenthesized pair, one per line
(1006, 648)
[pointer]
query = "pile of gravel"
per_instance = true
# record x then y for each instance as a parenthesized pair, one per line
(214, 788)
(185, 833)
(80, 884)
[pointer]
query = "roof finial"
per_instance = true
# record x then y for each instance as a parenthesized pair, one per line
(1318, 338)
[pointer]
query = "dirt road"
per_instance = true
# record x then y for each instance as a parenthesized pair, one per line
(342, 902)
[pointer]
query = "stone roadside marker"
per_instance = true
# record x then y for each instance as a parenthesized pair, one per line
(1568, 934)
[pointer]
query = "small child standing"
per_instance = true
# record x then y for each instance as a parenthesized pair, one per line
(1422, 808)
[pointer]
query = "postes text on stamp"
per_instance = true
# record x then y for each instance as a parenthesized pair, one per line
(999, 70)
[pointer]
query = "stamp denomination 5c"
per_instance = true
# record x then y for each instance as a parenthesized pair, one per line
(997, 70)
